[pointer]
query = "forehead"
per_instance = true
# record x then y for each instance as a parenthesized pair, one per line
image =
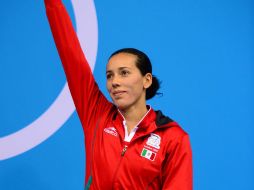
(122, 60)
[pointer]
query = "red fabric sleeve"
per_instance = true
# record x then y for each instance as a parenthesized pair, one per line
(177, 172)
(88, 99)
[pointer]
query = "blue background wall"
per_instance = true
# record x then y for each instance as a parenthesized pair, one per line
(202, 51)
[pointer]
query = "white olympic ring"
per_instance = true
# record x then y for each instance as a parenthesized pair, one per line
(62, 108)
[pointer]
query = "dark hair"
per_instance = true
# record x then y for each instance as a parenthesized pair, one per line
(143, 63)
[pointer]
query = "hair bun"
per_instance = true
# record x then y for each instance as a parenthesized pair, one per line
(153, 89)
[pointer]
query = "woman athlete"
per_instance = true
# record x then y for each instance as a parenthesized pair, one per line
(128, 144)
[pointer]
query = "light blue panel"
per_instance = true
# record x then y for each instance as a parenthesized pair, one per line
(58, 163)
(202, 51)
(31, 78)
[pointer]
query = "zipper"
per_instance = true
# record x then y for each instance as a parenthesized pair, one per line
(124, 150)
(119, 163)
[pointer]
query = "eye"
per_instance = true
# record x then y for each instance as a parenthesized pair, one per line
(124, 73)
(109, 75)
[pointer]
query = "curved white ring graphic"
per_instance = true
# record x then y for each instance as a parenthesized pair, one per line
(62, 108)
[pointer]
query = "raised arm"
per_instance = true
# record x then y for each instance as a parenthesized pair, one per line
(88, 99)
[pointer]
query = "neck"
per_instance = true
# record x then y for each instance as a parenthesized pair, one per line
(133, 116)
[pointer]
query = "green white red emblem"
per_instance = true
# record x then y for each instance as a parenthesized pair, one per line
(148, 154)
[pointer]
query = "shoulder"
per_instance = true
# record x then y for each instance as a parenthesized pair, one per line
(168, 125)
(172, 133)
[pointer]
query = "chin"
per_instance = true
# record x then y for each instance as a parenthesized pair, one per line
(120, 105)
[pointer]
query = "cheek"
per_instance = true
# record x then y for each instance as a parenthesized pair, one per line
(108, 86)
(136, 85)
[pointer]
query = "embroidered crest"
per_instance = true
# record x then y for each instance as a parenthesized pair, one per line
(154, 141)
(111, 130)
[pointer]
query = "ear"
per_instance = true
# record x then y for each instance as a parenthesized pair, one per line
(148, 79)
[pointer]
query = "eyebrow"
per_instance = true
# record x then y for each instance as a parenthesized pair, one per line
(120, 68)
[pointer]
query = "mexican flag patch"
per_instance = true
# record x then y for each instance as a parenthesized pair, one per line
(148, 154)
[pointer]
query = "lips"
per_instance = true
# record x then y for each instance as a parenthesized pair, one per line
(118, 93)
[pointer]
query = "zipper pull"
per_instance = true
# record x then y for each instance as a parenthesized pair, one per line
(124, 150)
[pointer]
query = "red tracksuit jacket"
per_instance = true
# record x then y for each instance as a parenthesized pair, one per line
(158, 156)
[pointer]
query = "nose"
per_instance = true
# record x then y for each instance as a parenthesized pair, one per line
(115, 81)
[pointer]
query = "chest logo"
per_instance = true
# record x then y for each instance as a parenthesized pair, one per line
(111, 131)
(150, 155)
(154, 141)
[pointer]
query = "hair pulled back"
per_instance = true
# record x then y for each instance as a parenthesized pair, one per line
(144, 65)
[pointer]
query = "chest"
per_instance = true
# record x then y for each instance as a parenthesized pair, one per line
(116, 161)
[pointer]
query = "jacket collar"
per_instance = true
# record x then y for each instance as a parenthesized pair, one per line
(148, 124)
(145, 121)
